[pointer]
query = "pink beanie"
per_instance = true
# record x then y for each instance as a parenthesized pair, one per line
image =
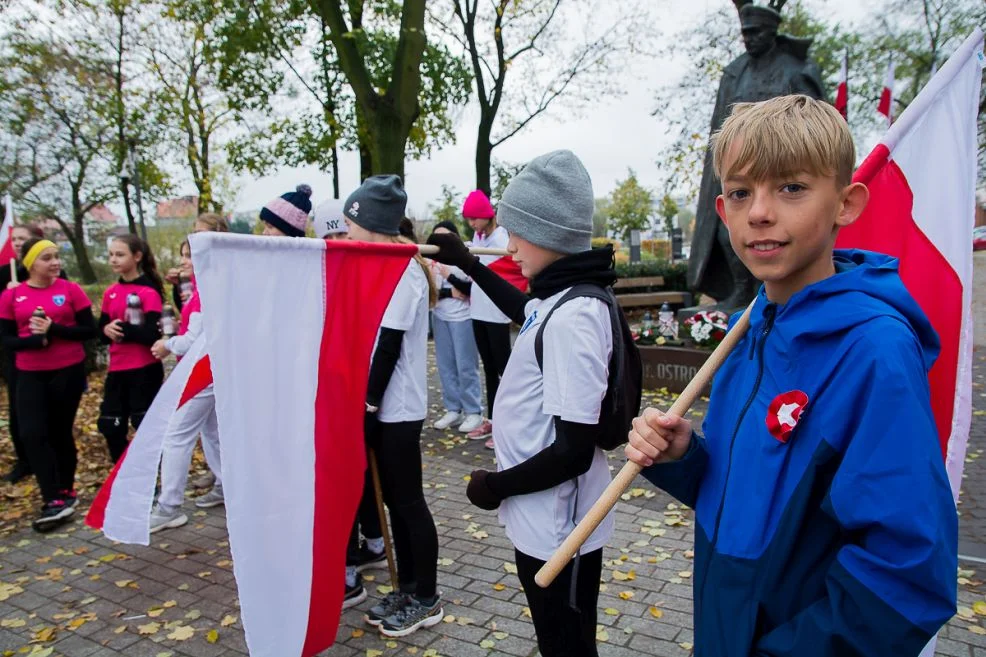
(477, 206)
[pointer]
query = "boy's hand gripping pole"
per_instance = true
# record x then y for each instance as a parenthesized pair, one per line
(630, 470)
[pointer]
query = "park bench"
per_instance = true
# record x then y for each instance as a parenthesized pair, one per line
(629, 300)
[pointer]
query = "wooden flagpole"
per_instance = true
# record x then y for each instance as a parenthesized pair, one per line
(570, 546)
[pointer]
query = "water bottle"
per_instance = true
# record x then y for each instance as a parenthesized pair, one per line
(648, 321)
(39, 312)
(168, 323)
(134, 314)
(185, 285)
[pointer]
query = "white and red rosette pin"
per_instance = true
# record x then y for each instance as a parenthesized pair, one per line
(784, 413)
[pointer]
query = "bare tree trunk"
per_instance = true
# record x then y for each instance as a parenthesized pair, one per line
(484, 154)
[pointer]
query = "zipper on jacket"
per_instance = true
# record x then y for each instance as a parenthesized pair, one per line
(769, 312)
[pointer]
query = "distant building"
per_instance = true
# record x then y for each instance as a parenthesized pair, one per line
(183, 208)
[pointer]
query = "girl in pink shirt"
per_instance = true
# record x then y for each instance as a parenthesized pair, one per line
(129, 324)
(44, 321)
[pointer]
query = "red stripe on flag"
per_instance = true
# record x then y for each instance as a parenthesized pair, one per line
(884, 106)
(354, 308)
(509, 271)
(887, 226)
(7, 252)
(842, 99)
(199, 379)
(97, 511)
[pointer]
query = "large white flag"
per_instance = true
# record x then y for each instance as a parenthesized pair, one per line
(290, 325)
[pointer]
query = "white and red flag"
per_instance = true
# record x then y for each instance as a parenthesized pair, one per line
(886, 104)
(122, 507)
(922, 182)
(842, 90)
(6, 244)
(290, 327)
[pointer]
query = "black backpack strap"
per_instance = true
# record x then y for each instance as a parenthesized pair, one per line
(607, 296)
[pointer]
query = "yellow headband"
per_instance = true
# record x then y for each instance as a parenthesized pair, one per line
(35, 251)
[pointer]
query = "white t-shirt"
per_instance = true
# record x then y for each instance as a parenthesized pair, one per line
(578, 342)
(450, 309)
(480, 305)
(406, 397)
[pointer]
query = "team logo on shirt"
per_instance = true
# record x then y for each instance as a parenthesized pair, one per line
(530, 320)
(113, 295)
(20, 299)
(784, 413)
(58, 300)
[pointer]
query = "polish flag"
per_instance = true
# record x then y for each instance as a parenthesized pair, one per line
(6, 243)
(290, 325)
(922, 181)
(122, 507)
(842, 91)
(886, 106)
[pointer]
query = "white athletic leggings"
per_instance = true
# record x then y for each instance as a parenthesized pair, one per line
(197, 415)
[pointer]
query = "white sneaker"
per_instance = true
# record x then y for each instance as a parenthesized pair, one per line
(471, 423)
(447, 420)
(161, 520)
(213, 498)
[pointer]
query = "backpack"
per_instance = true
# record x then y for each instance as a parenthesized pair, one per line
(623, 390)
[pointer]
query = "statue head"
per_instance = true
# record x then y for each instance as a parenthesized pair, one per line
(759, 26)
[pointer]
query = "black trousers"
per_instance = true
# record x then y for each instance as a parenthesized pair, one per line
(367, 519)
(126, 397)
(10, 376)
(493, 343)
(46, 405)
(398, 449)
(561, 630)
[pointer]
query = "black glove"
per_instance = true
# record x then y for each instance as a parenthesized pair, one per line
(452, 251)
(479, 491)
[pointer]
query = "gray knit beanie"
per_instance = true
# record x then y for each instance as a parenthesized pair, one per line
(378, 204)
(550, 204)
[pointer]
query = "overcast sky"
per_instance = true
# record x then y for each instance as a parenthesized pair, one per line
(609, 136)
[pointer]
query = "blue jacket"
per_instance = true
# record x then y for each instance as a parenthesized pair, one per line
(841, 541)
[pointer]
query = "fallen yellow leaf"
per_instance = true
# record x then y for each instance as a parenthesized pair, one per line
(655, 612)
(212, 636)
(169, 604)
(182, 633)
(229, 620)
(357, 633)
(150, 628)
(499, 587)
(979, 607)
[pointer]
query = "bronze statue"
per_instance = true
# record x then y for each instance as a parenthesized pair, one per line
(773, 65)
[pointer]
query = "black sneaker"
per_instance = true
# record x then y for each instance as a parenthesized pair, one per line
(354, 594)
(20, 471)
(369, 559)
(390, 605)
(53, 514)
(69, 497)
(413, 616)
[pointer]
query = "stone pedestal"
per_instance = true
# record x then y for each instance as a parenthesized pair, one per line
(671, 367)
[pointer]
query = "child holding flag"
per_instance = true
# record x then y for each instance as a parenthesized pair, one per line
(396, 405)
(44, 321)
(825, 525)
(128, 323)
(549, 409)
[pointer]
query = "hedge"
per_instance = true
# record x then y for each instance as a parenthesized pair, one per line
(674, 274)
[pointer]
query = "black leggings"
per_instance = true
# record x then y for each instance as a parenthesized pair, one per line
(46, 405)
(561, 630)
(10, 375)
(367, 518)
(126, 397)
(493, 343)
(398, 450)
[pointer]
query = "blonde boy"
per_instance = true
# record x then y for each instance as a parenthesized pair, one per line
(824, 521)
